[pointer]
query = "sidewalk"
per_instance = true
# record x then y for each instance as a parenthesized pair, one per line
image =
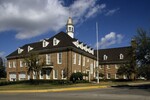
(53, 90)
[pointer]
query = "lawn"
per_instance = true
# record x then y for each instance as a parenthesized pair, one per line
(51, 86)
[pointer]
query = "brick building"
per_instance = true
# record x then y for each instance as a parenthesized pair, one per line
(61, 52)
(65, 54)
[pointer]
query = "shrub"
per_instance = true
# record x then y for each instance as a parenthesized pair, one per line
(76, 76)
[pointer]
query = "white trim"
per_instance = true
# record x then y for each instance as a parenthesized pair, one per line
(116, 76)
(14, 64)
(54, 73)
(108, 75)
(74, 58)
(55, 41)
(79, 60)
(47, 76)
(21, 63)
(121, 56)
(83, 61)
(45, 43)
(59, 58)
(48, 59)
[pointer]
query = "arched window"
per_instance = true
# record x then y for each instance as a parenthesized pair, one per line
(121, 56)
(105, 57)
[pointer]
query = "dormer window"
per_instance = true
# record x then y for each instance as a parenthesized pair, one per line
(121, 56)
(105, 57)
(55, 41)
(20, 50)
(45, 43)
(29, 48)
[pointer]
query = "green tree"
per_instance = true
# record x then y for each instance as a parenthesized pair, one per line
(143, 46)
(34, 64)
(125, 69)
(143, 53)
(2, 69)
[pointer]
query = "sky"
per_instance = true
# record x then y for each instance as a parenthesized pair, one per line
(28, 21)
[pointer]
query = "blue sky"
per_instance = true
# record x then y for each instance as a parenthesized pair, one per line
(25, 21)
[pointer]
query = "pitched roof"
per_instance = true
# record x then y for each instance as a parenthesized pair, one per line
(113, 55)
(65, 42)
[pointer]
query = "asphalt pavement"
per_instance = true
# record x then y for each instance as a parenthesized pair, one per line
(115, 93)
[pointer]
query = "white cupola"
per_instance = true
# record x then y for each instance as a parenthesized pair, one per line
(70, 28)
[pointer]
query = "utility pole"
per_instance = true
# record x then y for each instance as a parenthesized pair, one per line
(97, 53)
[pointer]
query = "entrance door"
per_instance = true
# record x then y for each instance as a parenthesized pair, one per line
(47, 74)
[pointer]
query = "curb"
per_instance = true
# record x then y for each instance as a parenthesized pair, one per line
(53, 90)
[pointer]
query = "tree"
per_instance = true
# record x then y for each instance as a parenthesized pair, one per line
(143, 47)
(143, 53)
(2, 69)
(34, 64)
(125, 69)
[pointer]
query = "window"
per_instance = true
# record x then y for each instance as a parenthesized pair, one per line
(69, 28)
(108, 76)
(59, 58)
(45, 43)
(121, 56)
(74, 58)
(41, 74)
(47, 74)
(83, 61)
(91, 68)
(63, 74)
(20, 50)
(108, 67)
(21, 63)
(105, 57)
(116, 66)
(55, 74)
(116, 76)
(9, 64)
(79, 63)
(14, 64)
(55, 42)
(29, 48)
(48, 59)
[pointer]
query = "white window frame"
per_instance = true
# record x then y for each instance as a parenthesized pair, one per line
(83, 61)
(59, 58)
(91, 68)
(116, 66)
(74, 58)
(55, 74)
(9, 64)
(21, 63)
(121, 56)
(62, 73)
(48, 59)
(108, 75)
(79, 63)
(14, 64)
(47, 76)
(105, 57)
(116, 76)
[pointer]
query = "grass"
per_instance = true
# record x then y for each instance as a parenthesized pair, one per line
(2, 80)
(51, 86)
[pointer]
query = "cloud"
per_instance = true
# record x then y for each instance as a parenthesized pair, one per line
(32, 18)
(2, 53)
(110, 39)
(111, 12)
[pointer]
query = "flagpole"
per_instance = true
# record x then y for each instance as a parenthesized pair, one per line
(97, 53)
